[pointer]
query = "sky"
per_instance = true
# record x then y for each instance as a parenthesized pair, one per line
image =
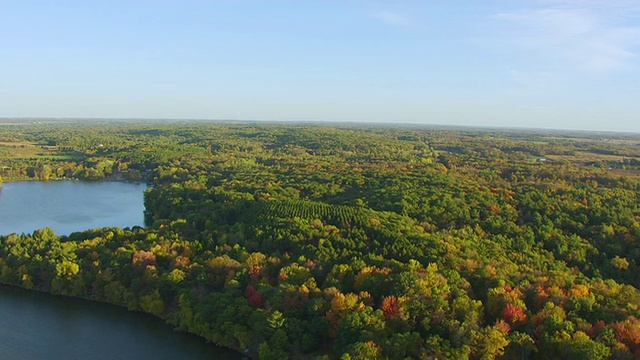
(557, 64)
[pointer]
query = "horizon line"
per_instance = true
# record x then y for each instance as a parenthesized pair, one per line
(384, 123)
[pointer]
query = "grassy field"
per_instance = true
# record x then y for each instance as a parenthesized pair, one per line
(585, 157)
(22, 149)
(64, 157)
(25, 149)
(625, 172)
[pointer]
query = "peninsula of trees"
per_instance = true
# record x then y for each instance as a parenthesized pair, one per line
(351, 242)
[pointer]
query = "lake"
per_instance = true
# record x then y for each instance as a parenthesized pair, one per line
(68, 206)
(35, 325)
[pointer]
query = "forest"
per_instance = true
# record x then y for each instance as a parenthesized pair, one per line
(328, 241)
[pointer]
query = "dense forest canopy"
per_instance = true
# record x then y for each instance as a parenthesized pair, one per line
(351, 242)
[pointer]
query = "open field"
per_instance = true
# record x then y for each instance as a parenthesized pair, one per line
(622, 172)
(22, 149)
(585, 157)
(26, 150)
(17, 143)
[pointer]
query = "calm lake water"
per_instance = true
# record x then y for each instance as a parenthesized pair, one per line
(68, 206)
(35, 325)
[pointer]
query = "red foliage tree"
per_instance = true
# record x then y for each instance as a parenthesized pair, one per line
(628, 332)
(390, 307)
(503, 327)
(254, 272)
(142, 258)
(254, 297)
(513, 314)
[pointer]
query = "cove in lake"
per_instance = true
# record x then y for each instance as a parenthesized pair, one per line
(35, 325)
(69, 206)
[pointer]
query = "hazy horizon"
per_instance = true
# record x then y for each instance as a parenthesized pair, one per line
(549, 64)
(356, 123)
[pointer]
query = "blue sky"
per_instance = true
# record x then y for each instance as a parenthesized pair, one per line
(564, 64)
